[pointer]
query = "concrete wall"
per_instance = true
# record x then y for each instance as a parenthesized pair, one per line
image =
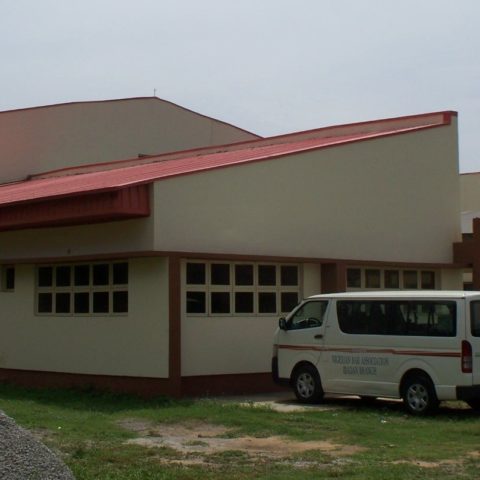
(102, 238)
(58, 136)
(470, 192)
(215, 345)
(135, 344)
(390, 199)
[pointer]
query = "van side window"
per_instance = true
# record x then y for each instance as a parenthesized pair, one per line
(309, 315)
(392, 317)
(475, 318)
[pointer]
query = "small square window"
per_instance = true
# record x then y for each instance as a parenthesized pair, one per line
(100, 274)
(220, 274)
(120, 273)
(428, 280)
(81, 302)
(243, 275)
(354, 278)
(220, 302)
(62, 276)
(267, 275)
(196, 274)
(101, 302)
(267, 302)
(9, 279)
(392, 279)
(244, 302)
(289, 301)
(45, 303)
(289, 275)
(81, 275)
(120, 302)
(196, 302)
(45, 276)
(372, 278)
(62, 303)
(410, 279)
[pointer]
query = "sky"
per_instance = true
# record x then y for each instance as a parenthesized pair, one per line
(268, 66)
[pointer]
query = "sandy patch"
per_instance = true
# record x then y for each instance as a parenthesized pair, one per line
(196, 440)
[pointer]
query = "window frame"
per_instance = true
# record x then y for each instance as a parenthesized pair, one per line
(72, 289)
(232, 288)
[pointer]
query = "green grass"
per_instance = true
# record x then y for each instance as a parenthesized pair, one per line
(84, 428)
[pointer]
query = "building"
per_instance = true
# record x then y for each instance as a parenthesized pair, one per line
(166, 274)
(468, 251)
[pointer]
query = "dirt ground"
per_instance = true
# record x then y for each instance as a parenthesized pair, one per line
(199, 442)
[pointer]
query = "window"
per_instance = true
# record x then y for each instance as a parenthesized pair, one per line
(224, 288)
(7, 280)
(475, 318)
(410, 279)
(372, 278)
(414, 318)
(354, 278)
(83, 289)
(390, 279)
(428, 280)
(309, 315)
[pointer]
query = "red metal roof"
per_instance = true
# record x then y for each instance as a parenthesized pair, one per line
(38, 189)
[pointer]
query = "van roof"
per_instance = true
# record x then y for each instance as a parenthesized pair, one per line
(401, 294)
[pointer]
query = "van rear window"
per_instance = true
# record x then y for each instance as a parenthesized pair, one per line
(475, 318)
(414, 318)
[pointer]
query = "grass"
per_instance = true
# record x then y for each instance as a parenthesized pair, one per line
(84, 428)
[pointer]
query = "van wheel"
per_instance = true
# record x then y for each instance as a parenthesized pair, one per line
(419, 395)
(474, 404)
(307, 385)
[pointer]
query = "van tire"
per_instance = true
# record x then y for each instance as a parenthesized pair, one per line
(419, 395)
(306, 384)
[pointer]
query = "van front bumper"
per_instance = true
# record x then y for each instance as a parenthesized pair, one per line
(285, 382)
(468, 393)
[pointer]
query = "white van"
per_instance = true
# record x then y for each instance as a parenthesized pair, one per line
(422, 346)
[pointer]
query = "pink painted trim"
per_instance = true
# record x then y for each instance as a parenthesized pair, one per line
(418, 353)
(122, 204)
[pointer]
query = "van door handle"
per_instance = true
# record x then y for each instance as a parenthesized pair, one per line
(319, 335)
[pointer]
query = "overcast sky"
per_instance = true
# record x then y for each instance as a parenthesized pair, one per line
(269, 66)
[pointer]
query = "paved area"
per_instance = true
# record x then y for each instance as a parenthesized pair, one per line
(22, 457)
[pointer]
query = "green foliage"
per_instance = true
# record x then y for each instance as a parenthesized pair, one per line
(86, 428)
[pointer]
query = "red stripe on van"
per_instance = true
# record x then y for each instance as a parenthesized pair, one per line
(417, 353)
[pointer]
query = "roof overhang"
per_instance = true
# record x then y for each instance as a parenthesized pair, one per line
(122, 204)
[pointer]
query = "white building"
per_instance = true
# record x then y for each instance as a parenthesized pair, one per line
(167, 273)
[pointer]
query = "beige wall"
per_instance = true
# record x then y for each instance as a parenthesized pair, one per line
(102, 238)
(215, 345)
(391, 199)
(133, 345)
(470, 192)
(47, 138)
(451, 279)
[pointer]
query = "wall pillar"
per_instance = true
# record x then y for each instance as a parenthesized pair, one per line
(334, 277)
(175, 324)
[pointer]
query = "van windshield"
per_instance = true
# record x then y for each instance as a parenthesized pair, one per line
(475, 318)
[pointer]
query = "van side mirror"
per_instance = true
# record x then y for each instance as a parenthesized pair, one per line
(282, 323)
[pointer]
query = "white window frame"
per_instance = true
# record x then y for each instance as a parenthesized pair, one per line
(401, 272)
(72, 289)
(208, 288)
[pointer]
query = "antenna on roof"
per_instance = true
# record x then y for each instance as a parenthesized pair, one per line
(154, 92)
